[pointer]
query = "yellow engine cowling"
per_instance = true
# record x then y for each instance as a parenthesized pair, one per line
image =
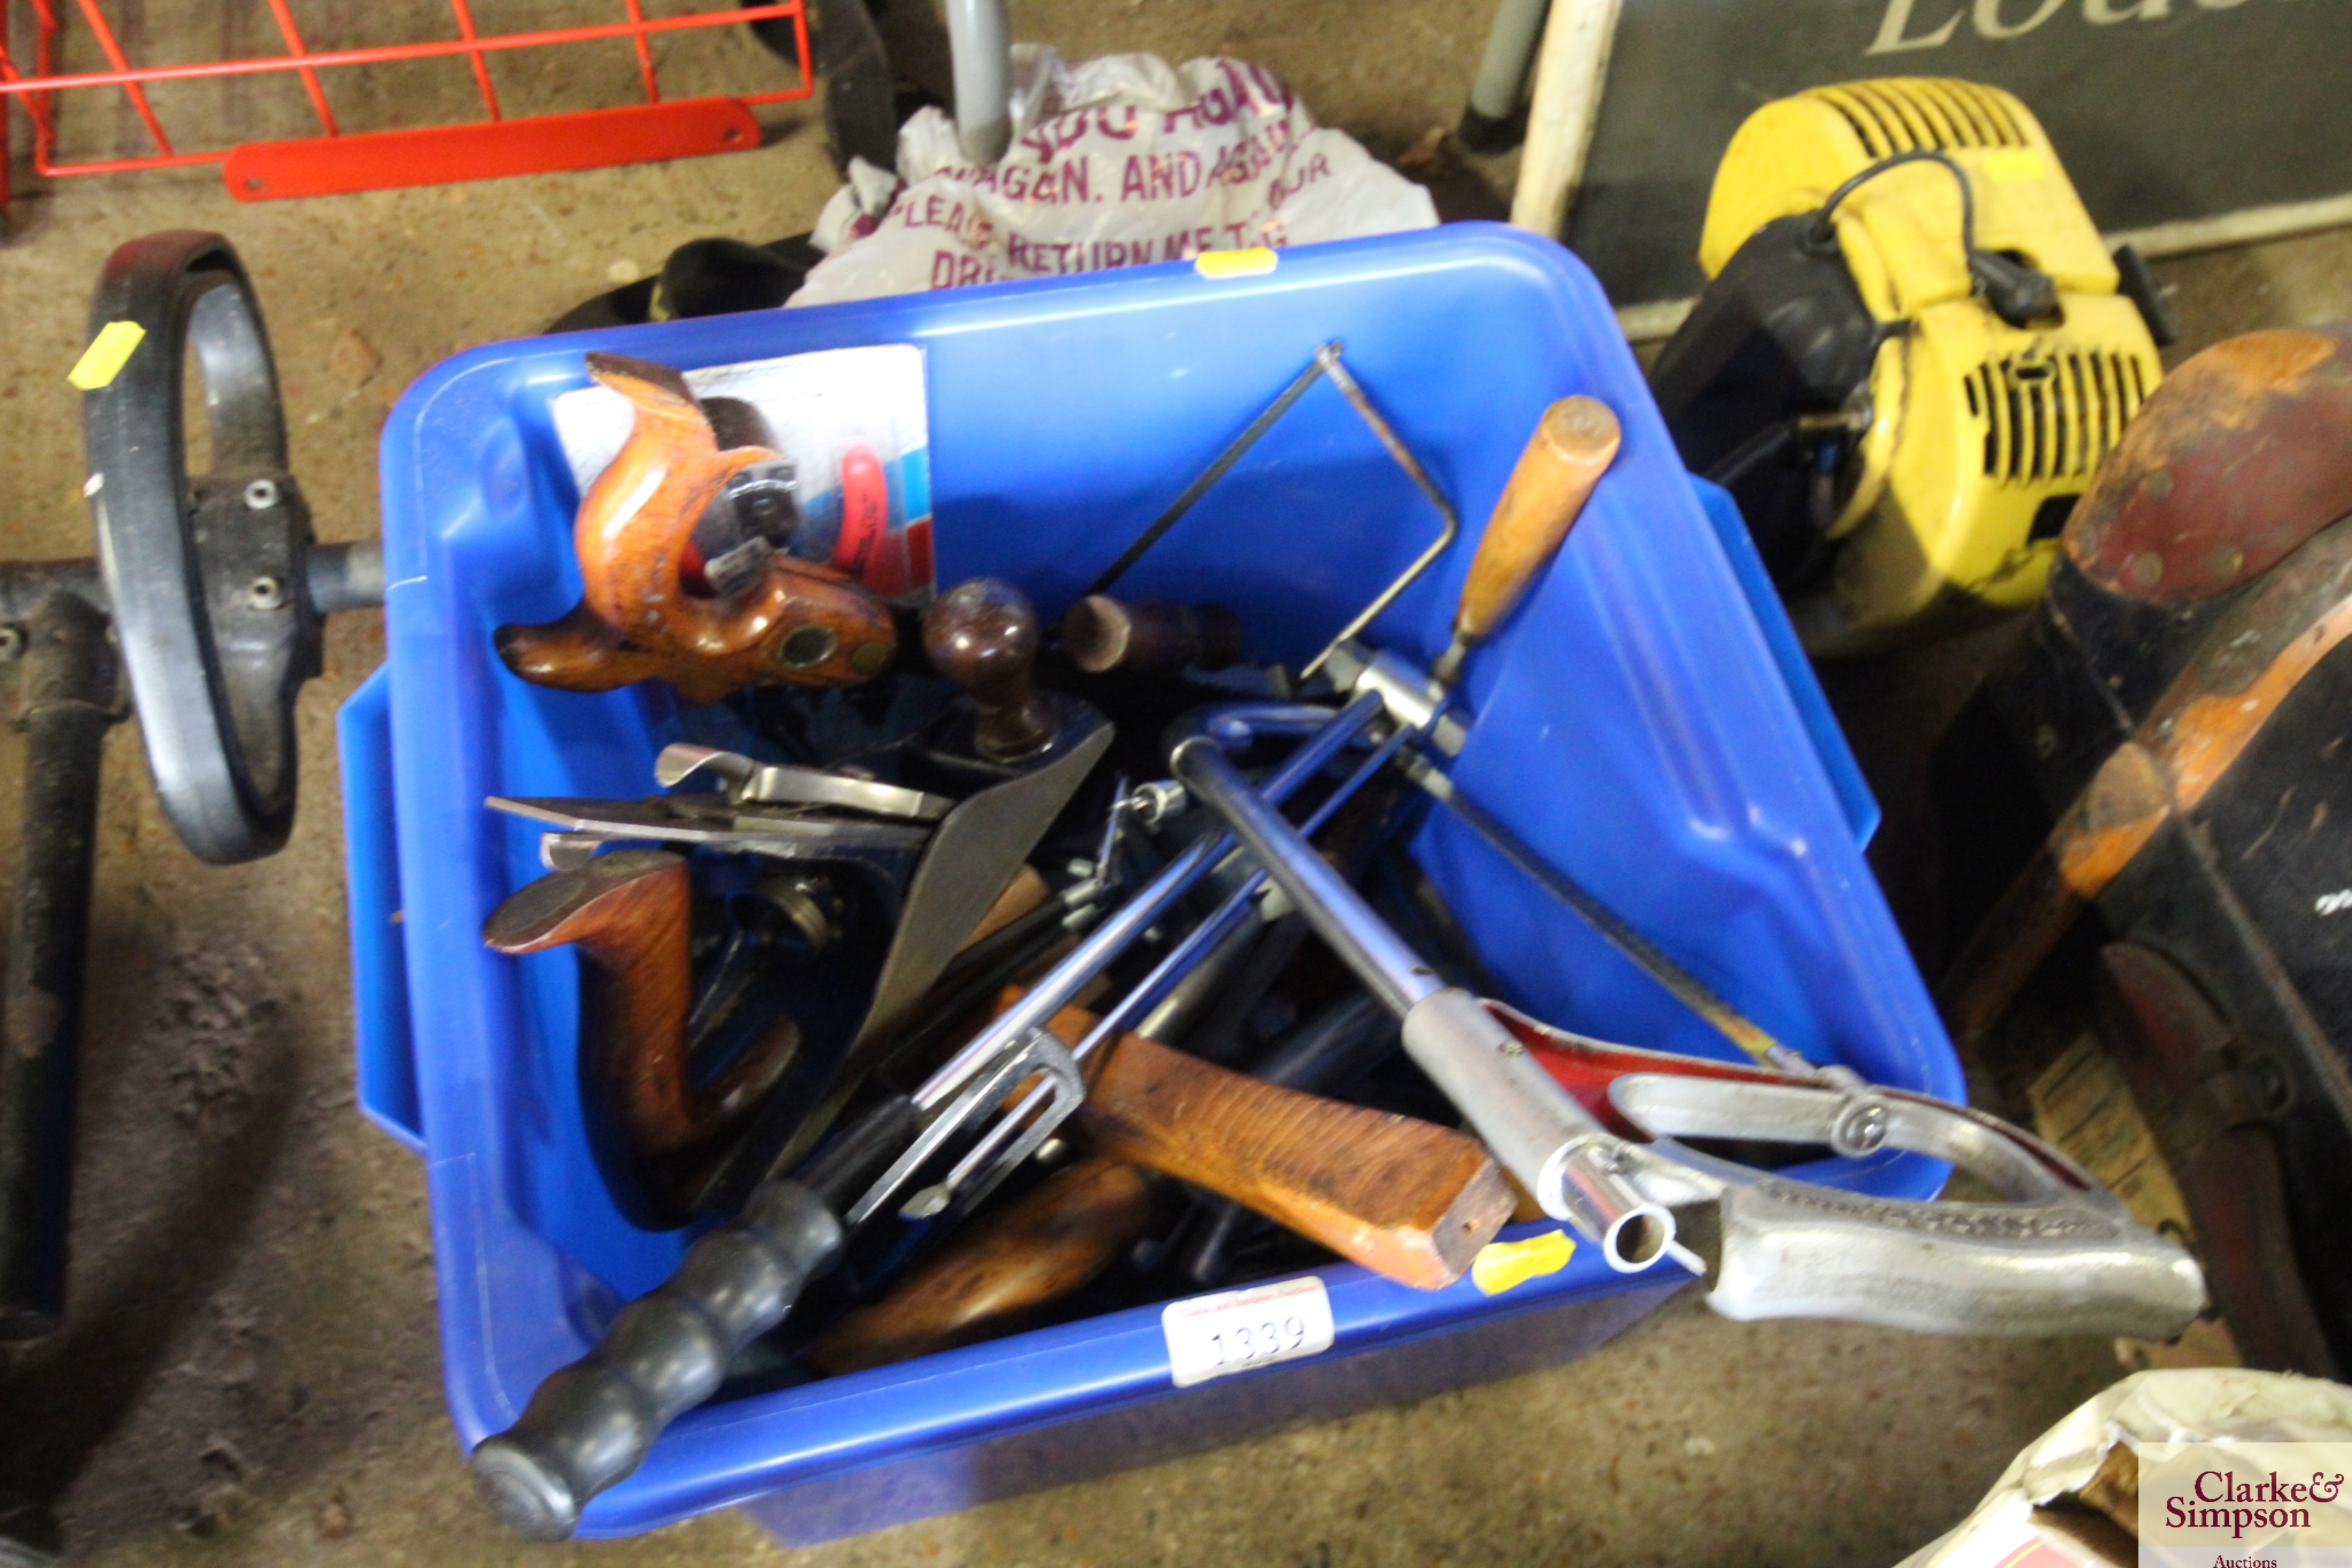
(1982, 434)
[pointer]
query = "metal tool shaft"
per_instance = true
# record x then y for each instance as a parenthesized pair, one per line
(1326, 363)
(1678, 983)
(1162, 991)
(1328, 356)
(1215, 471)
(1193, 953)
(1568, 1161)
(1327, 734)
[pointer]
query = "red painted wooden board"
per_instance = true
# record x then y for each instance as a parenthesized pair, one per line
(443, 155)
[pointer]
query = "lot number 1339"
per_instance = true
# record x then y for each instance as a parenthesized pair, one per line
(1240, 1331)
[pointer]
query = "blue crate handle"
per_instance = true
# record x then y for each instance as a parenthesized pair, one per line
(1853, 797)
(387, 1058)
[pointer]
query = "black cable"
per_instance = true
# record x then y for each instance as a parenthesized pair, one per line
(1820, 233)
(1737, 464)
(2018, 291)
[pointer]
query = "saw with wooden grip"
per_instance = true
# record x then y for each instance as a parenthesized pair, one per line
(793, 623)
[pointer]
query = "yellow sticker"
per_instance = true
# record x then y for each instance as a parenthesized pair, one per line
(1503, 1264)
(107, 354)
(2011, 165)
(1254, 262)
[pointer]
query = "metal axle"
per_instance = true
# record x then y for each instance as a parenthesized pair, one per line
(70, 678)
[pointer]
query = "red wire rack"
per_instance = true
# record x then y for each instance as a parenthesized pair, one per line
(336, 160)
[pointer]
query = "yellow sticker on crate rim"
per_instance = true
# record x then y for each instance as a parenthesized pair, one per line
(1254, 262)
(107, 354)
(1503, 1264)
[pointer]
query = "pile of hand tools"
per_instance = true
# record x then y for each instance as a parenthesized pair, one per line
(994, 979)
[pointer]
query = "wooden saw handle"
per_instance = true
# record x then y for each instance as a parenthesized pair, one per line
(1405, 1199)
(1572, 446)
(796, 623)
(630, 912)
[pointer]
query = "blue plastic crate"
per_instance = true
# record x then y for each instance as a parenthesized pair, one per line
(1637, 722)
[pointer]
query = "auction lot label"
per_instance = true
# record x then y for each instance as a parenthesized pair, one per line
(2245, 1505)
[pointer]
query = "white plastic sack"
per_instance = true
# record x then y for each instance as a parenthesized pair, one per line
(2199, 1404)
(1114, 163)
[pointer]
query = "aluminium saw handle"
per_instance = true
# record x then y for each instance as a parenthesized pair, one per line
(2062, 1256)
(590, 1424)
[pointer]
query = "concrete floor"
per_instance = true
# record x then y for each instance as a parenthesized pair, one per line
(250, 1376)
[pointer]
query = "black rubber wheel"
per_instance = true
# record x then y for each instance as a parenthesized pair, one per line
(205, 570)
(861, 98)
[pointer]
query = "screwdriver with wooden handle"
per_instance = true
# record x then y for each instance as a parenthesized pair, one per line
(1572, 446)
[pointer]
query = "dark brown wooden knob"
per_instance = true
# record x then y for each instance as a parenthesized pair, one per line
(1150, 636)
(982, 635)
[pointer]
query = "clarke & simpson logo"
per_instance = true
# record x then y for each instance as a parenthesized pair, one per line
(2268, 1504)
(2245, 1505)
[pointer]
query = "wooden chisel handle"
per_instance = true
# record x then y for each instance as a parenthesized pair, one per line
(1055, 1240)
(1572, 446)
(1405, 1199)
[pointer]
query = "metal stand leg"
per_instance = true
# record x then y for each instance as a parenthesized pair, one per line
(29, 1537)
(69, 702)
(1570, 70)
(1490, 122)
(861, 106)
(982, 42)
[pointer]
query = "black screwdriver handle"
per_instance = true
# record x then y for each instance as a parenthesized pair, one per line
(590, 1424)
